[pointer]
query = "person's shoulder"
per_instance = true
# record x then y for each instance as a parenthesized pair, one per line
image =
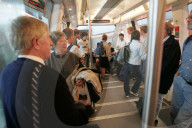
(71, 55)
(48, 71)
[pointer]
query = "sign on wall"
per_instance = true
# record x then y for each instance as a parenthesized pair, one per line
(36, 4)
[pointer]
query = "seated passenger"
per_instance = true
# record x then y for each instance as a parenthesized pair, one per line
(81, 95)
(33, 94)
(62, 61)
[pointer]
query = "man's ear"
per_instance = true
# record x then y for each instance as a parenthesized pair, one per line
(35, 43)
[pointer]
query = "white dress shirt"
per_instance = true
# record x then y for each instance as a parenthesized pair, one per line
(121, 44)
(136, 53)
(31, 57)
(74, 49)
(84, 46)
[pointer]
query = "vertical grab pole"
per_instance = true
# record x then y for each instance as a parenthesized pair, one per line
(90, 34)
(154, 59)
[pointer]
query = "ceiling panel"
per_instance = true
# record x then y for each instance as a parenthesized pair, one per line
(122, 7)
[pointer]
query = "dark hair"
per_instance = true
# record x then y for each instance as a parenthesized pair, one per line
(76, 31)
(121, 34)
(104, 37)
(68, 32)
(83, 34)
(135, 35)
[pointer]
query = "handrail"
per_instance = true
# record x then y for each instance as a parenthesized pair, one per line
(153, 68)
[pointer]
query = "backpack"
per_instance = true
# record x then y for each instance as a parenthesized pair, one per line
(100, 49)
(123, 55)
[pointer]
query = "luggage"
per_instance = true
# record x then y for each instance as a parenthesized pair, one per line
(123, 55)
(100, 49)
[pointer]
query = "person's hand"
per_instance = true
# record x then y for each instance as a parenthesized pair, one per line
(97, 60)
(176, 74)
(82, 61)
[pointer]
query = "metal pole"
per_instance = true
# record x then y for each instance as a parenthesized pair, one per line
(153, 69)
(90, 34)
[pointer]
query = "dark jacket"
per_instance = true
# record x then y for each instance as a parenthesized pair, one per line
(170, 63)
(56, 105)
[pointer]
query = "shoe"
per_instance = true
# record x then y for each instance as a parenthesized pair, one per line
(135, 94)
(105, 78)
(156, 122)
(126, 96)
(115, 74)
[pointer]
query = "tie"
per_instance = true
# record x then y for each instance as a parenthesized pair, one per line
(35, 101)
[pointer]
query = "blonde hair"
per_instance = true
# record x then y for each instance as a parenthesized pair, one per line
(130, 28)
(56, 35)
(169, 28)
(144, 28)
(104, 37)
(22, 31)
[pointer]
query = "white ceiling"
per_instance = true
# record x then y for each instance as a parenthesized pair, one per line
(95, 6)
(123, 6)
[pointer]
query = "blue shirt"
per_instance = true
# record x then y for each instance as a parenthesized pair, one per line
(9, 77)
(185, 70)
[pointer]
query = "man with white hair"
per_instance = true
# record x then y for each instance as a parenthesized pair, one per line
(33, 94)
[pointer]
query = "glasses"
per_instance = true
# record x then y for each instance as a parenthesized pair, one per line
(62, 41)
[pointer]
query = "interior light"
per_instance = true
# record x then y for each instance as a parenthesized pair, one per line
(138, 11)
(70, 9)
(102, 3)
(9, 6)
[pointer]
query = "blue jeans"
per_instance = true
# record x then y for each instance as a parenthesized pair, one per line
(142, 68)
(135, 69)
(159, 104)
(181, 103)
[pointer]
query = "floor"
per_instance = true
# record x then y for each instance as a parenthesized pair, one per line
(115, 111)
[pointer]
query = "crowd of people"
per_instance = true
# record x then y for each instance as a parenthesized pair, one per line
(38, 87)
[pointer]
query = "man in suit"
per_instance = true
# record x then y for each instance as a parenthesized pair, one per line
(170, 64)
(33, 94)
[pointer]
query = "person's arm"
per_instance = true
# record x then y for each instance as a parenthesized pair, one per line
(67, 111)
(77, 52)
(171, 55)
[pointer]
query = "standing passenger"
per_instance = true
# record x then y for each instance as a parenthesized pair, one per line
(144, 42)
(129, 31)
(84, 47)
(104, 59)
(76, 37)
(170, 64)
(122, 42)
(72, 48)
(133, 65)
(182, 90)
(35, 95)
